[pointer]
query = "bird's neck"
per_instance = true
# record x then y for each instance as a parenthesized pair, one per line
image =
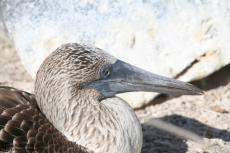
(112, 123)
(86, 121)
(64, 108)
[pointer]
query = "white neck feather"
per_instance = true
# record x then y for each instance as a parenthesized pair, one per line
(108, 126)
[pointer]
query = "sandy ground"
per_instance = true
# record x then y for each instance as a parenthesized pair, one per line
(207, 115)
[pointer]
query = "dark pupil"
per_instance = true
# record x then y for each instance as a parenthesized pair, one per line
(106, 72)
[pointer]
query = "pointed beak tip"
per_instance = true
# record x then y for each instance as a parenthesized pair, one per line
(201, 92)
(190, 89)
(197, 91)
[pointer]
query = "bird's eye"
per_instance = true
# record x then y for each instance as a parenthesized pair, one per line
(106, 71)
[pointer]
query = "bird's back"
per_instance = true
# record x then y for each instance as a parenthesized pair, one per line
(24, 129)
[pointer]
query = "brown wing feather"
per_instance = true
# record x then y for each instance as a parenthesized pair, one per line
(24, 129)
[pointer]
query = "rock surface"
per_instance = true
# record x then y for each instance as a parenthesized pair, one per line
(187, 40)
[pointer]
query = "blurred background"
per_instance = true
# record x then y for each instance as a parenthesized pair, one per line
(186, 40)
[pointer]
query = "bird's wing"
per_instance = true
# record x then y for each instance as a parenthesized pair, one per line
(24, 129)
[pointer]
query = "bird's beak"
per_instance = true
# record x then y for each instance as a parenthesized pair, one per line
(128, 78)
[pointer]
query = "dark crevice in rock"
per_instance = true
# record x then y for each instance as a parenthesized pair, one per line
(217, 79)
(195, 61)
(186, 69)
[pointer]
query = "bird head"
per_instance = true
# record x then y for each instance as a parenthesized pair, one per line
(87, 68)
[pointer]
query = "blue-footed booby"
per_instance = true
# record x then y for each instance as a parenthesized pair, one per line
(75, 108)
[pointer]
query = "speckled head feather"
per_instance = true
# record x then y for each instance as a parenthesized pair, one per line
(70, 66)
(78, 63)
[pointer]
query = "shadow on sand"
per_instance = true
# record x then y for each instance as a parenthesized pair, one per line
(158, 141)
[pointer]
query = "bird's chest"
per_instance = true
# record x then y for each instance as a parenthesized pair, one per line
(115, 130)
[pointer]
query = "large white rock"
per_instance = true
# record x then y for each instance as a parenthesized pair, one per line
(182, 39)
